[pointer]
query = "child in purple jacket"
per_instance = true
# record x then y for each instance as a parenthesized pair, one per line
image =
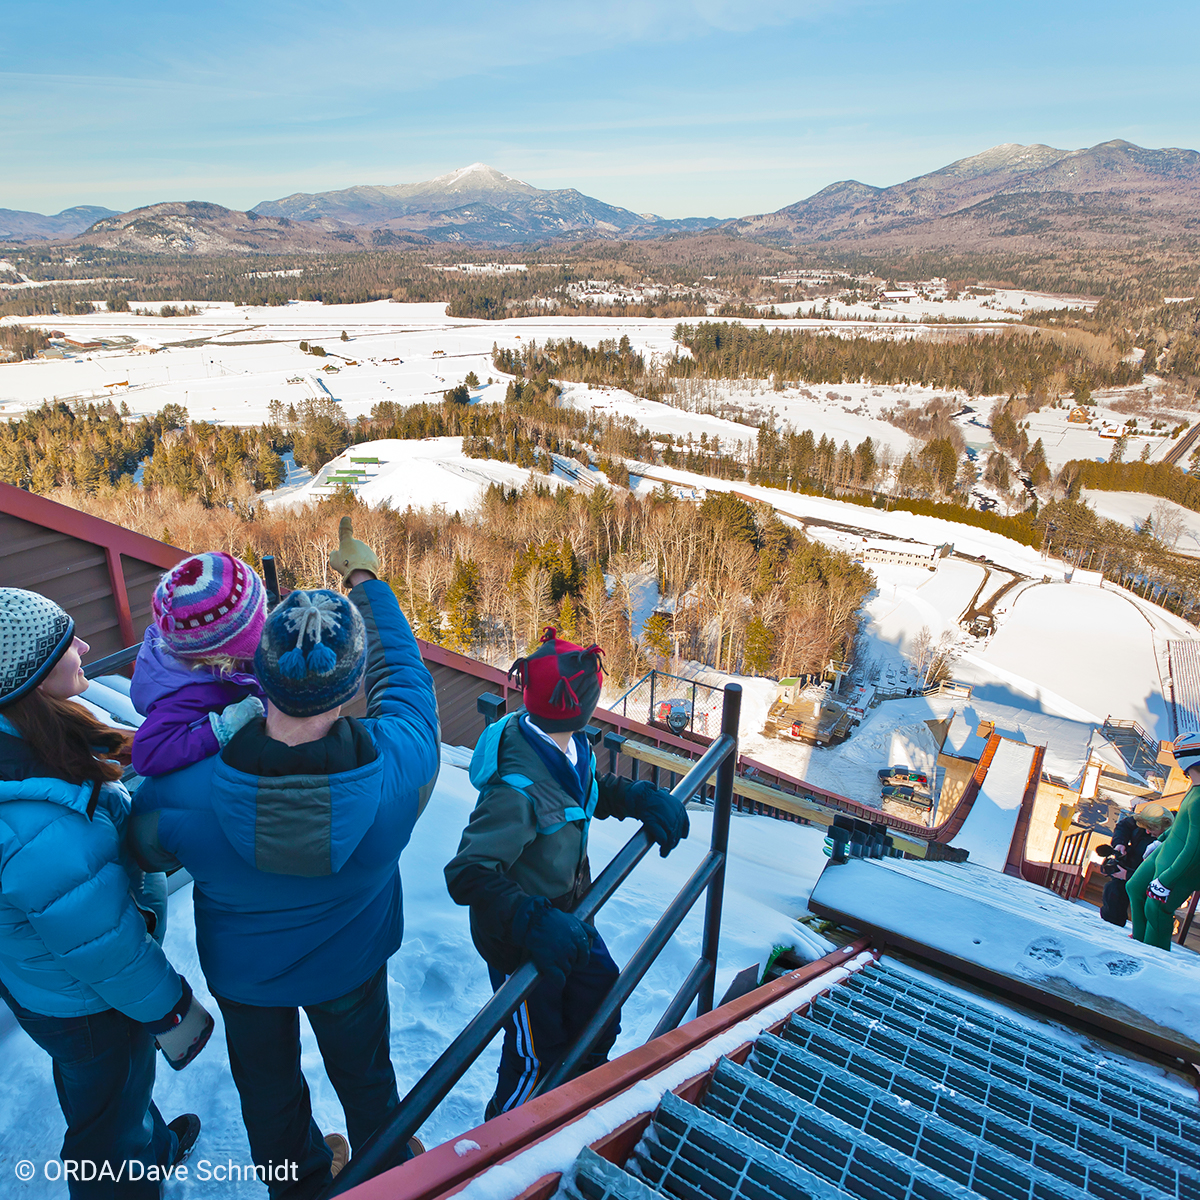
(192, 680)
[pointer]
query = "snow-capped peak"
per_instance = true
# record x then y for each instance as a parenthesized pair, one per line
(476, 175)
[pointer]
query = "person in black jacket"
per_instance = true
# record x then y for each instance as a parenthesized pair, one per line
(1135, 835)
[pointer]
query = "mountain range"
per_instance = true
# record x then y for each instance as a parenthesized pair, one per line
(1105, 193)
(1010, 195)
(477, 203)
(18, 226)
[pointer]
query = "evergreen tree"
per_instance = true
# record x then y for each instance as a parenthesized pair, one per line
(568, 620)
(656, 633)
(462, 605)
(759, 652)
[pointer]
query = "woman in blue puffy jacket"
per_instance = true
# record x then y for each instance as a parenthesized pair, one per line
(80, 966)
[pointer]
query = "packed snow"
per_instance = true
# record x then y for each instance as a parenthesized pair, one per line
(1076, 650)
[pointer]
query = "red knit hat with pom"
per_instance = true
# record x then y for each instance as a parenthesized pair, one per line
(561, 683)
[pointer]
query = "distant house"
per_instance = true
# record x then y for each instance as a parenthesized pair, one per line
(1079, 416)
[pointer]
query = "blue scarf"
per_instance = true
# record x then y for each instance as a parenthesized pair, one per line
(573, 780)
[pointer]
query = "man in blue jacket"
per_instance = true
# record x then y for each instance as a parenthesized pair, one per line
(292, 834)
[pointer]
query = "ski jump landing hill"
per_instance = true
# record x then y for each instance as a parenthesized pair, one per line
(853, 1075)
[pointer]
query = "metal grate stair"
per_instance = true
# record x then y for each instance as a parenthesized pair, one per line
(861, 1166)
(973, 1072)
(890, 1089)
(691, 1155)
(981, 1045)
(961, 1139)
(899, 990)
(920, 1145)
(1023, 1124)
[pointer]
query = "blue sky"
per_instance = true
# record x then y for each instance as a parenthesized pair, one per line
(681, 107)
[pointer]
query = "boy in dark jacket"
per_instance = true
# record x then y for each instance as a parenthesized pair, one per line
(522, 863)
(292, 835)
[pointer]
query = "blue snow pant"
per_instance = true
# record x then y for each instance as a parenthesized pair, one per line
(104, 1074)
(353, 1034)
(540, 1032)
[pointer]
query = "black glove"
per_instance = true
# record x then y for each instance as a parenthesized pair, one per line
(665, 819)
(184, 1031)
(557, 942)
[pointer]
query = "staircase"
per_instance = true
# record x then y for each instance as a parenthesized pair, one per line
(1137, 747)
(891, 1088)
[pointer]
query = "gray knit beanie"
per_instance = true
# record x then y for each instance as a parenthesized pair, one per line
(313, 653)
(34, 634)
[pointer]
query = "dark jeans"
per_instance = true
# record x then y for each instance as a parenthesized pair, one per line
(540, 1032)
(104, 1074)
(264, 1056)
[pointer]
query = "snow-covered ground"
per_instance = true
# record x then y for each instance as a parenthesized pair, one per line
(1133, 508)
(242, 358)
(1069, 650)
(1101, 659)
(1003, 304)
(423, 473)
(437, 981)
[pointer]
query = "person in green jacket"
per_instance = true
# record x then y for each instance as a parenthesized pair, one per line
(1171, 872)
(522, 864)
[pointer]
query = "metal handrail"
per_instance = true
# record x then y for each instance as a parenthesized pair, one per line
(114, 662)
(387, 1145)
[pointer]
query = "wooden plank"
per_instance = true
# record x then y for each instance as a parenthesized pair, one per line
(752, 789)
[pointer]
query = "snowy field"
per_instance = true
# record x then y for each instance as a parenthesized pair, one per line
(228, 363)
(425, 473)
(437, 981)
(1133, 508)
(1003, 304)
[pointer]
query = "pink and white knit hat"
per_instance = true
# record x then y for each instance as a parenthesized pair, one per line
(211, 604)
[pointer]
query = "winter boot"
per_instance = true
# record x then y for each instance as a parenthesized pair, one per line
(340, 1149)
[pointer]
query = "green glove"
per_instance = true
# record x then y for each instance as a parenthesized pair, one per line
(351, 554)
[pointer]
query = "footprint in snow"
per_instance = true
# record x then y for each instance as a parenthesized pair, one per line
(1048, 950)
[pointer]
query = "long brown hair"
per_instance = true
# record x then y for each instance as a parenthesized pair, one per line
(66, 737)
